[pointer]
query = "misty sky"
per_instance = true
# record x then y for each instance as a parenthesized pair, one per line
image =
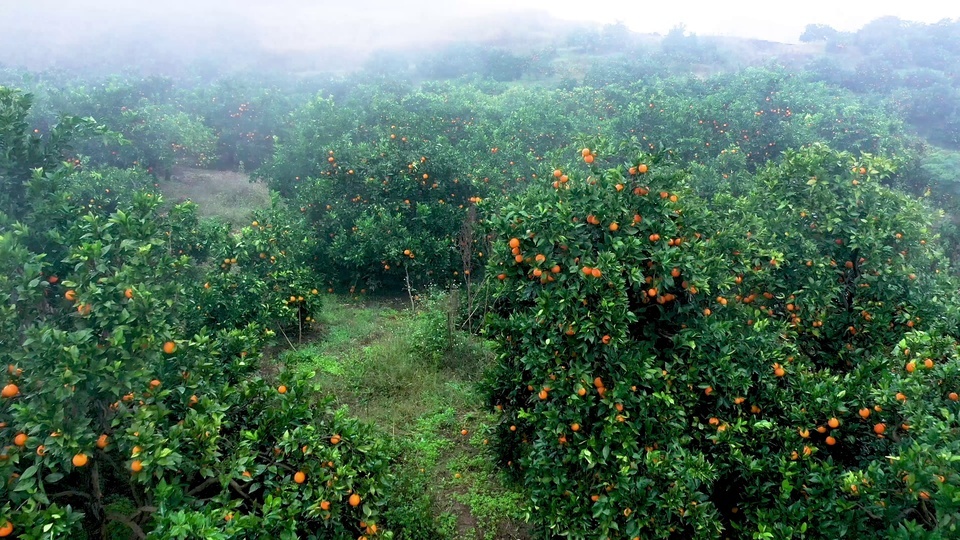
(31, 30)
(775, 20)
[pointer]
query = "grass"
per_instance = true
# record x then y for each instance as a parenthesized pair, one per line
(227, 195)
(373, 360)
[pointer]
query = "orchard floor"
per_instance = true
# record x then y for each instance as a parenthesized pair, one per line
(367, 359)
(228, 195)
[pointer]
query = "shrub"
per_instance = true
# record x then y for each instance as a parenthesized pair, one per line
(660, 375)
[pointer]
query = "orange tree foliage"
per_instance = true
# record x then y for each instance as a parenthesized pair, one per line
(132, 406)
(669, 376)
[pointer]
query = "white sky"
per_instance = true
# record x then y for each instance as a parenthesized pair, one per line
(776, 20)
(36, 28)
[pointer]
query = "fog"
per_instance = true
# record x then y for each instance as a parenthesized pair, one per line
(304, 35)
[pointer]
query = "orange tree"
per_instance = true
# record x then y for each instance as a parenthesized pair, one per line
(654, 379)
(262, 274)
(111, 397)
(399, 215)
(123, 415)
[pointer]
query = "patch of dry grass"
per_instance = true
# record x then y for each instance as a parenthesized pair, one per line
(228, 195)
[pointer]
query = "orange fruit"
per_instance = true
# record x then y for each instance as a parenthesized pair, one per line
(864, 413)
(911, 367)
(128, 294)
(20, 439)
(463, 432)
(928, 363)
(299, 477)
(588, 158)
(324, 505)
(103, 441)
(585, 152)
(154, 384)
(596, 272)
(7, 529)
(879, 428)
(557, 173)
(282, 389)
(335, 439)
(169, 347)
(136, 465)
(575, 426)
(10, 390)
(831, 441)
(354, 500)
(80, 460)
(70, 295)
(642, 168)
(833, 423)
(953, 396)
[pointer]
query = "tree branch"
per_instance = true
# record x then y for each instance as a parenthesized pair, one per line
(137, 531)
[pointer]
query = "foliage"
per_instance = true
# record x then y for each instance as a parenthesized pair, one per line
(123, 410)
(668, 372)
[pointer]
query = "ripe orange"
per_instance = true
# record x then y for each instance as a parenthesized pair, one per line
(7, 529)
(136, 466)
(103, 441)
(585, 152)
(324, 505)
(9, 391)
(928, 363)
(833, 423)
(282, 389)
(575, 427)
(911, 367)
(830, 441)
(864, 413)
(354, 500)
(588, 158)
(299, 477)
(335, 439)
(557, 173)
(169, 347)
(879, 428)
(614, 226)
(154, 384)
(642, 168)
(20, 439)
(953, 396)
(70, 295)
(80, 460)
(596, 272)
(128, 294)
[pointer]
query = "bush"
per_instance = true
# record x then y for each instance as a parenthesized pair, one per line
(662, 374)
